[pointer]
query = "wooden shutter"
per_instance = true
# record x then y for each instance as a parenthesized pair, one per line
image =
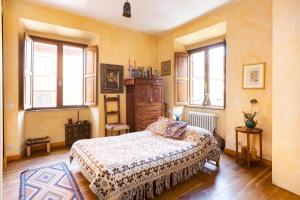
(28, 73)
(181, 79)
(90, 76)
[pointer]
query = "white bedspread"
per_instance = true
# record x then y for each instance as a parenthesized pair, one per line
(127, 166)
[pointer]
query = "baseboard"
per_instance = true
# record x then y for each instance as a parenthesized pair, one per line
(264, 162)
(13, 158)
(57, 145)
(53, 146)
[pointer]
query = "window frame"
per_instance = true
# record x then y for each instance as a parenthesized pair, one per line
(59, 81)
(206, 75)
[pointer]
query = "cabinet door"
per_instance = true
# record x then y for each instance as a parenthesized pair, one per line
(142, 95)
(155, 95)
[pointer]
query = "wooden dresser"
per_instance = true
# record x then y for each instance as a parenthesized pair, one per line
(144, 102)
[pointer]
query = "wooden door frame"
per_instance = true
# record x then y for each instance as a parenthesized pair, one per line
(2, 143)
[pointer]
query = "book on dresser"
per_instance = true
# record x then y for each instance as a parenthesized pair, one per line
(144, 102)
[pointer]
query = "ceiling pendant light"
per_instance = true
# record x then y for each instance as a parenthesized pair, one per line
(127, 9)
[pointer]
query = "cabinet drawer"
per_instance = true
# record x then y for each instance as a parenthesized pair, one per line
(142, 124)
(149, 112)
(153, 116)
(148, 109)
(149, 81)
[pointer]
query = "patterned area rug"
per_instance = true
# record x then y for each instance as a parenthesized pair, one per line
(53, 182)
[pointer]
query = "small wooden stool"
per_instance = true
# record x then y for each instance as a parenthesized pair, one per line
(35, 141)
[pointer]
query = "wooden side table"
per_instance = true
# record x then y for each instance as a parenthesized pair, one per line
(248, 131)
(77, 131)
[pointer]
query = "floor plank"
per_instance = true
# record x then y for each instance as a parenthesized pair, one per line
(229, 182)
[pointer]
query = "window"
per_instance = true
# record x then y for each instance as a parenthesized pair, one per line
(54, 74)
(72, 70)
(204, 84)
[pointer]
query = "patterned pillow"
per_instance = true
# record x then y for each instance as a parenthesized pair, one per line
(195, 134)
(159, 127)
(175, 129)
(199, 136)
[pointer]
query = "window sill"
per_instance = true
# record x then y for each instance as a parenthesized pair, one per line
(204, 108)
(56, 109)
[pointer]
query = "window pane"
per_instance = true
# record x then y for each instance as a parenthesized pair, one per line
(216, 75)
(28, 54)
(217, 93)
(72, 75)
(198, 64)
(44, 75)
(197, 92)
(197, 72)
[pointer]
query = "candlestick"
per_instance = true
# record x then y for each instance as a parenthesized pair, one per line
(128, 64)
(77, 115)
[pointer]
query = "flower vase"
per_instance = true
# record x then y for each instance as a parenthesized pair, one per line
(250, 123)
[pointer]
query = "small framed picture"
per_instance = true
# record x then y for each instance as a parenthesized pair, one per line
(254, 76)
(111, 78)
(166, 68)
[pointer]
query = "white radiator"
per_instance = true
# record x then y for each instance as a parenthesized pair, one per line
(207, 121)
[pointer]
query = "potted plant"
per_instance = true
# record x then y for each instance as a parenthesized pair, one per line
(249, 116)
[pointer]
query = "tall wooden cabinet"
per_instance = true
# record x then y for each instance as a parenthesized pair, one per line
(144, 102)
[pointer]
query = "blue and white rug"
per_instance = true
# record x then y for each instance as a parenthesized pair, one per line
(54, 182)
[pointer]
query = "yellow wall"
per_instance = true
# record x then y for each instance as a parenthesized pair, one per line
(51, 123)
(116, 45)
(286, 95)
(249, 40)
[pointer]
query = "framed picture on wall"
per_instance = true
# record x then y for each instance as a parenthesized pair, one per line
(254, 76)
(111, 78)
(166, 68)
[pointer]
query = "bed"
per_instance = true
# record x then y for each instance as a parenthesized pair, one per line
(142, 164)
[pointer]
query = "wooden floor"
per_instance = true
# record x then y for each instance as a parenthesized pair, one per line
(230, 181)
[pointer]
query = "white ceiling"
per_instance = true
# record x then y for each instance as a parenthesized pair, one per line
(151, 16)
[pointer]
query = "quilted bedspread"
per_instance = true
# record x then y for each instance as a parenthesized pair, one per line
(141, 164)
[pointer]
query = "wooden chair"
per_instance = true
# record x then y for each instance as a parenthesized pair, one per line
(112, 127)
